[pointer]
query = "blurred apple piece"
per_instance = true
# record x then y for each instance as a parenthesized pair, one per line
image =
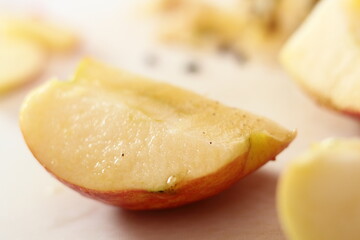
(24, 46)
(208, 25)
(324, 57)
(319, 194)
(353, 9)
(20, 62)
(250, 26)
(52, 37)
(140, 144)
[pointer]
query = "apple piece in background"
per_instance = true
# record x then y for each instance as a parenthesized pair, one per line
(203, 24)
(52, 37)
(323, 56)
(291, 13)
(21, 61)
(253, 27)
(353, 8)
(24, 46)
(198, 23)
(140, 144)
(318, 194)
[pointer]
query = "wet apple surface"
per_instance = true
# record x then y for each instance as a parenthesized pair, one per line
(124, 139)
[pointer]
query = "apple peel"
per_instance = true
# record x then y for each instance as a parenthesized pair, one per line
(323, 57)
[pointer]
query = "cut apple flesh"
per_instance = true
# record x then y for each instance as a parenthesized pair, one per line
(319, 195)
(324, 57)
(20, 62)
(107, 133)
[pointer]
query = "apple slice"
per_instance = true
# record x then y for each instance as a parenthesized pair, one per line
(324, 57)
(319, 195)
(53, 38)
(20, 62)
(139, 144)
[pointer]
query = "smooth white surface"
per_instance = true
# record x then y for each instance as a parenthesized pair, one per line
(33, 205)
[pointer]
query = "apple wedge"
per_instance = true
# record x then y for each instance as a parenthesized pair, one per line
(140, 144)
(324, 57)
(319, 195)
(52, 37)
(20, 62)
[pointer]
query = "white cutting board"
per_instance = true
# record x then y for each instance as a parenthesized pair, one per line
(33, 205)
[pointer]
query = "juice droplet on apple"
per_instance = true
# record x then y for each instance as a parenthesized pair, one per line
(116, 160)
(171, 180)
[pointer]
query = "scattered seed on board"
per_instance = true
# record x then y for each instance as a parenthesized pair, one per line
(151, 60)
(192, 67)
(240, 57)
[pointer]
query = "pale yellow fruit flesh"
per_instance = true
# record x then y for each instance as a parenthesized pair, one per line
(324, 57)
(199, 23)
(291, 13)
(110, 130)
(353, 10)
(52, 37)
(319, 194)
(250, 26)
(20, 62)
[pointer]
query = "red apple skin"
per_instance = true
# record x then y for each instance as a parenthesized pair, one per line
(183, 193)
(262, 148)
(191, 191)
(326, 103)
(352, 113)
(187, 192)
